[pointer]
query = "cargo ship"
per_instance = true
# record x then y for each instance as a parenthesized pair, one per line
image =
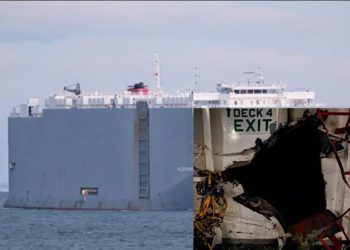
(78, 153)
(131, 150)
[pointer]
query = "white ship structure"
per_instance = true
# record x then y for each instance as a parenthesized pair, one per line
(227, 96)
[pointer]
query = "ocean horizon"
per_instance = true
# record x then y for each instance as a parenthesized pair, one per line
(61, 229)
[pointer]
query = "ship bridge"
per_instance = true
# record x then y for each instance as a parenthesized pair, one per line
(266, 95)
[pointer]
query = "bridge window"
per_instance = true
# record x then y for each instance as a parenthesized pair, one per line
(214, 102)
(250, 91)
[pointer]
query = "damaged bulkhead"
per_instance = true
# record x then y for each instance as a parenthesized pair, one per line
(286, 171)
(283, 178)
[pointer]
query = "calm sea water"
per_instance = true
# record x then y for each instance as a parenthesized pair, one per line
(49, 229)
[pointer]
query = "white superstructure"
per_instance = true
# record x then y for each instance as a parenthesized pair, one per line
(257, 95)
(226, 95)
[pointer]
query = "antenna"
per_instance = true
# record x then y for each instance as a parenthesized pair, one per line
(197, 76)
(259, 78)
(156, 72)
(248, 73)
(257, 72)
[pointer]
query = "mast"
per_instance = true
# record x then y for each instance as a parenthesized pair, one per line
(156, 72)
(196, 76)
(259, 78)
(249, 73)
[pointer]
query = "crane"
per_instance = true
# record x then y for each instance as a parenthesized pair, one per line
(74, 88)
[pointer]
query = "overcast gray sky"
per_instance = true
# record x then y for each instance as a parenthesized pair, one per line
(107, 45)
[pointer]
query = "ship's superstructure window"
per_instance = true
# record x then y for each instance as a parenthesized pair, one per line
(264, 91)
(207, 102)
(236, 91)
(257, 91)
(88, 191)
(226, 90)
(250, 91)
(243, 91)
(214, 102)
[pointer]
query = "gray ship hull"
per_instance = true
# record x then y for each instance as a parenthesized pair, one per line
(55, 158)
